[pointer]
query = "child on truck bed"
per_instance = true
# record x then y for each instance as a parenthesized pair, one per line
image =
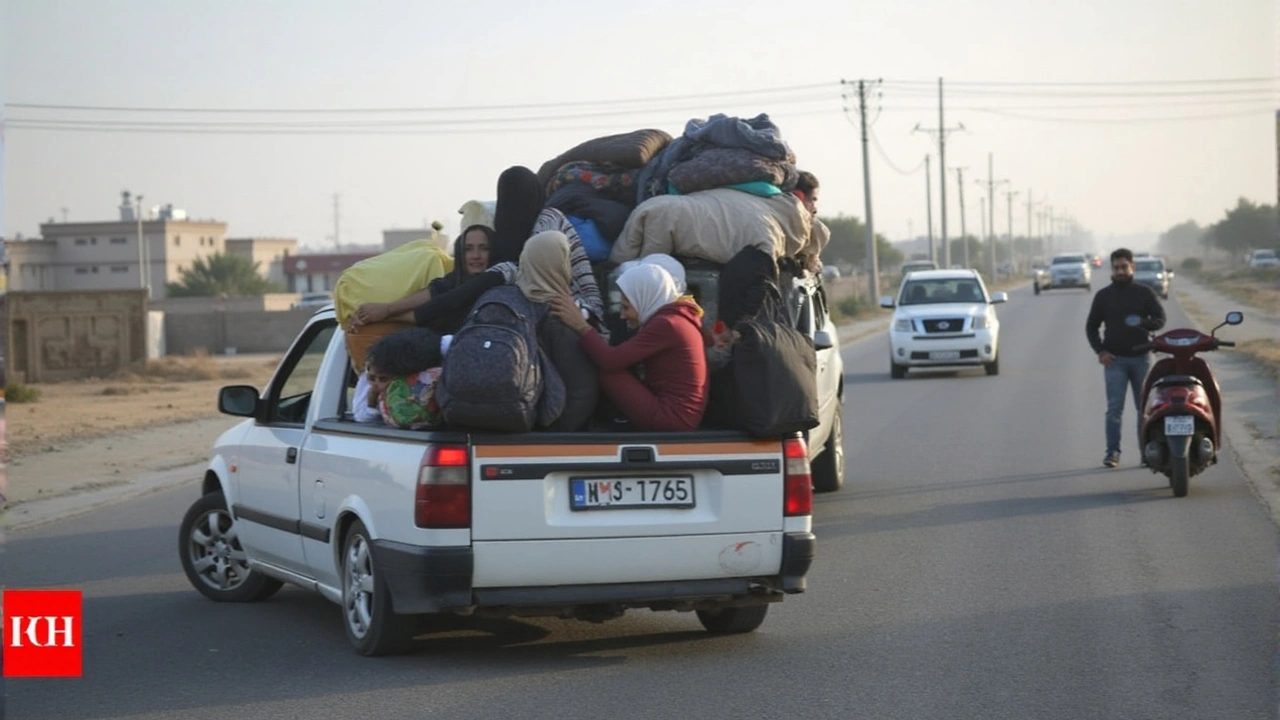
(669, 344)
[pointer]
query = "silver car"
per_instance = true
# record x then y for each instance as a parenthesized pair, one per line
(1153, 273)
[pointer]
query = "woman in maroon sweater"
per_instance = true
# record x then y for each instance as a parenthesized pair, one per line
(669, 345)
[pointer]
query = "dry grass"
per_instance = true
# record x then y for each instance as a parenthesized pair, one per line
(1266, 353)
(166, 391)
(1255, 288)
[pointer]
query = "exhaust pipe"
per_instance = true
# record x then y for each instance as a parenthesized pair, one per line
(1203, 452)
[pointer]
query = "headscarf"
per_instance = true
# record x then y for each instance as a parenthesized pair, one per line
(544, 267)
(519, 202)
(648, 288)
(671, 265)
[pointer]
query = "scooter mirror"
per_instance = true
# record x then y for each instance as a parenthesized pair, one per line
(1133, 321)
(1235, 317)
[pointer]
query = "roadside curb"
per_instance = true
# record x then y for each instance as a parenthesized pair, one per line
(30, 514)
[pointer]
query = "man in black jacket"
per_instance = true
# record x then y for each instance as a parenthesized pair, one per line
(1124, 368)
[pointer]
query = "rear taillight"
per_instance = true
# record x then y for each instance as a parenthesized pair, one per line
(443, 497)
(797, 496)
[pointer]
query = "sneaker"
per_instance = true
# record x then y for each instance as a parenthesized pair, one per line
(1111, 460)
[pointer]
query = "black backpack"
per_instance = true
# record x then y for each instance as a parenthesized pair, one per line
(495, 376)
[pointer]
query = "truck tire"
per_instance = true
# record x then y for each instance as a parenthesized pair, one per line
(993, 367)
(212, 558)
(828, 468)
(896, 371)
(733, 620)
(371, 625)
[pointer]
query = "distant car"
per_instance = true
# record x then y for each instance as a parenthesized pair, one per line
(1264, 259)
(830, 272)
(312, 301)
(943, 318)
(1069, 270)
(917, 265)
(1039, 276)
(1153, 273)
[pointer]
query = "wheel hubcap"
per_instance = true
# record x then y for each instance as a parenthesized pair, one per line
(216, 555)
(357, 587)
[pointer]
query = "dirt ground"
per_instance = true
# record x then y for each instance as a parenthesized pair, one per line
(169, 391)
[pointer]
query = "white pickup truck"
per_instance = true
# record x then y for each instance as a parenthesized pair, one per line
(395, 524)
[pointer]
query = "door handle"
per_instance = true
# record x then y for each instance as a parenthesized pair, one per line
(291, 455)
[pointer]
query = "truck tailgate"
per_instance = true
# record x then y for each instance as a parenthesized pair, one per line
(582, 491)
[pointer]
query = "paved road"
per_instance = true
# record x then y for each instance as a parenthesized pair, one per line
(980, 564)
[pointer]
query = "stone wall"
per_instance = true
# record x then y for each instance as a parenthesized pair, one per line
(69, 335)
(246, 332)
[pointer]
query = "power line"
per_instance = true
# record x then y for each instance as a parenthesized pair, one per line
(1096, 83)
(424, 109)
(146, 128)
(875, 141)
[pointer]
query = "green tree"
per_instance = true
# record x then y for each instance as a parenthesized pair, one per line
(1182, 239)
(220, 273)
(849, 243)
(1247, 226)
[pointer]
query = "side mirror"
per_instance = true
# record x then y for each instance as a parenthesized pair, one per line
(822, 340)
(886, 301)
(1000, 297)
(1235, 317)
(238, 400)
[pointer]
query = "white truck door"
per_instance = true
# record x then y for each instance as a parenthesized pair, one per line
(267, 506)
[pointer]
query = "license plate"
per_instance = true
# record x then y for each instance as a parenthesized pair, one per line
(945, 355)
(1180, 425)
(622, 493)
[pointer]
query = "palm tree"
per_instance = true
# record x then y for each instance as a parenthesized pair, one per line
(221, 273)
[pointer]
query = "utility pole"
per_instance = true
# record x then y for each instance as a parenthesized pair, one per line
(942, 131)
(928, 200)
(143, 281)
(964, 235)
(991, 213)
(1030, 242)
(64, 215)
(337, 239)
(1013, 255)
(873, 255)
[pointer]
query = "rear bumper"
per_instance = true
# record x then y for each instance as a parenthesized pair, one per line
(431, 580)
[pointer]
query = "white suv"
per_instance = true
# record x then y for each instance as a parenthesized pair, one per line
(1069, 270)
(1264, 259)
(943, 318)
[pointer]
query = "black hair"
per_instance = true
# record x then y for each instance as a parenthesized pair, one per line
(1122, 254)
(807, 183)
(459, 249)
(406, 352)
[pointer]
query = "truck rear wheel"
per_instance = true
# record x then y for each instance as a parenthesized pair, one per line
(828, 468)
(733, 620)
(371, 625)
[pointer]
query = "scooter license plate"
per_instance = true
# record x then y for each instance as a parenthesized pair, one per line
(1180, 425)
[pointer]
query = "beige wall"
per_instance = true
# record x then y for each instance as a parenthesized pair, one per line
(68, 335)
(269, 253)
(272, 302)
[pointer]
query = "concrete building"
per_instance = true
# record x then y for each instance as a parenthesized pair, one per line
(392, 239)
(269, 253)
(318, 273)
(106, 255)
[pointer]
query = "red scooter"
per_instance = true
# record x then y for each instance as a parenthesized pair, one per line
(1182, 404)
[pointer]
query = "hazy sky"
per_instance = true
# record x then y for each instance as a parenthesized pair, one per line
(1121, 159)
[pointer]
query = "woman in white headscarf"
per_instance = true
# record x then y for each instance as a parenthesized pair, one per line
(669, 345)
